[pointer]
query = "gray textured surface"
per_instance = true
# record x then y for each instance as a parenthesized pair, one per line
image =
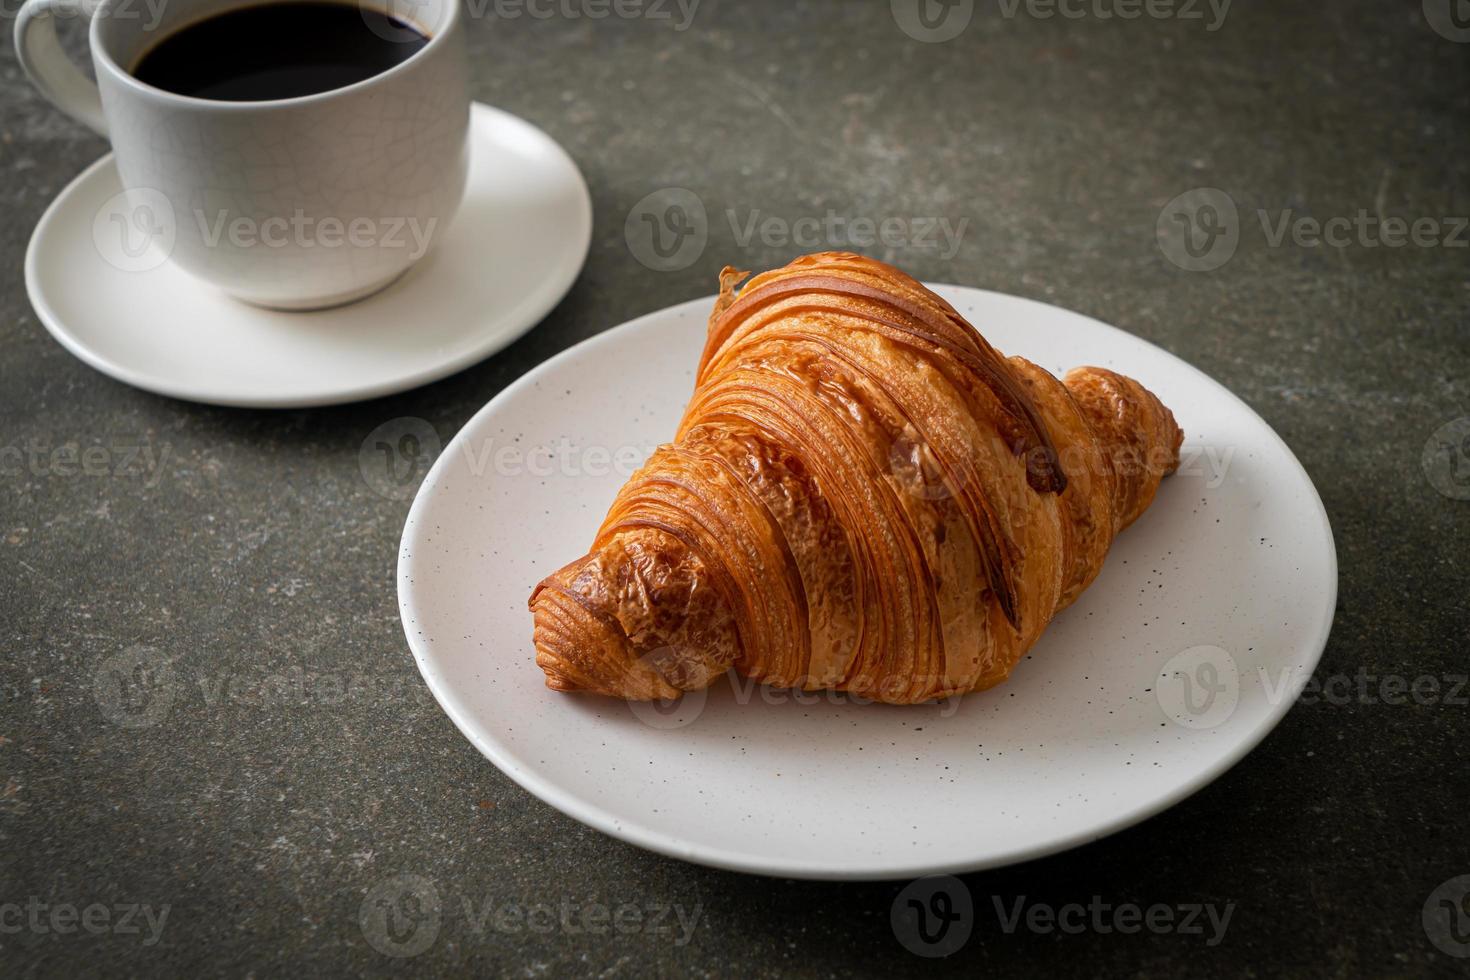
(253, 547)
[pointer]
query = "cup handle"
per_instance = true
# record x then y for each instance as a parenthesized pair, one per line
(48, 66)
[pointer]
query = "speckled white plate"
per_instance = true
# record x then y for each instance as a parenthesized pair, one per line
(1211, 612)
(512, 252)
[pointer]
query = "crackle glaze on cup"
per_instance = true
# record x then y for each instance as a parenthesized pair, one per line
(294, 203)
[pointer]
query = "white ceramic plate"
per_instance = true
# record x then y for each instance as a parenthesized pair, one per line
(1211, 612)
(511, 253)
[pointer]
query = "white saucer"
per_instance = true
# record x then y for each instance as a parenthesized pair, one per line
(512, 252)
(1191, 645)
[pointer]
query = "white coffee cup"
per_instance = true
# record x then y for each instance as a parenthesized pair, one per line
(296, 203)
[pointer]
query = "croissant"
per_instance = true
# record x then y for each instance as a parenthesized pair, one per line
(863, 495)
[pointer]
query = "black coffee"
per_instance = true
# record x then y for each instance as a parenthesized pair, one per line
(278, 51)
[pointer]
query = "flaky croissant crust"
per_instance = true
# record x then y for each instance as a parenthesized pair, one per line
(863, 495)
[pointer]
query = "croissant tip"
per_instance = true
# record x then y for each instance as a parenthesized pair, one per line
(730, 277)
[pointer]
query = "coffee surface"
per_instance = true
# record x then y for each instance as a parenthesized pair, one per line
(278, 51)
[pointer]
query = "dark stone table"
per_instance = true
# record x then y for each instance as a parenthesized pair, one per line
(243, 546)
